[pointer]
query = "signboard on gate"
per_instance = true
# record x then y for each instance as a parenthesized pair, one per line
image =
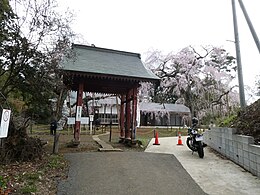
(5, 119)
(83, 120)
(91, 117)
(78, 113)
(71, 121)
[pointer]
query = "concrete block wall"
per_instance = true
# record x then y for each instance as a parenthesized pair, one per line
(238, 148)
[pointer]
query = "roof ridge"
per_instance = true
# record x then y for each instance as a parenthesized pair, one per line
(106, 50)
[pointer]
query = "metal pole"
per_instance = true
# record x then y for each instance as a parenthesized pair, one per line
(250, 25)
(238, 56)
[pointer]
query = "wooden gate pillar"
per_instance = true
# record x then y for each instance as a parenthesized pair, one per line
(134, 113)
(78, 113)
(122, 117)
(128, 116)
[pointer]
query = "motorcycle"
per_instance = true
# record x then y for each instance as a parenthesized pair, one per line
(195, 140)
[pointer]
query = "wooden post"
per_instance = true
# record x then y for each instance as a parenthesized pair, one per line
(110, 132)
(122, 117)
(56, 143)
(128, 116)
(118, 115)
(134, 113)
(105, 116)
(78, 113)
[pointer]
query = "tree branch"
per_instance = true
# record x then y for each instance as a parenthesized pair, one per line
(218, 101)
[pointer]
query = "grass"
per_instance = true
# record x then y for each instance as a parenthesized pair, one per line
(29, 182)
(56, 161)
(2, 182)
(164, 131)
(146, 134)
(143, 134)
(28, 189)
(31, 176)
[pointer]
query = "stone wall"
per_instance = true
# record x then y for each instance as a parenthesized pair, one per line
(238, 148)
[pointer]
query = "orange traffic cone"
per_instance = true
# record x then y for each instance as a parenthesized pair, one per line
(179, 139)
(156, 139)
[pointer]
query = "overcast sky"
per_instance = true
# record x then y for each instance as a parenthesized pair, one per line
(167, 25)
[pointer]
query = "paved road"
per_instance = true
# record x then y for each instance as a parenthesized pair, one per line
(215, 175)
(126, 173)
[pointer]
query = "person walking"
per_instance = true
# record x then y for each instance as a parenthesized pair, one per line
(53, 127)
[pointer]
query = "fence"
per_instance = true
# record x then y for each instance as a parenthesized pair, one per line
(238, 148)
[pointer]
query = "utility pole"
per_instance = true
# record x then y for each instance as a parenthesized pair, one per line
(238, 57)
(250, 25)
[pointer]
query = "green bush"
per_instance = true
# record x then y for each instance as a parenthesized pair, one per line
(227, 121)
